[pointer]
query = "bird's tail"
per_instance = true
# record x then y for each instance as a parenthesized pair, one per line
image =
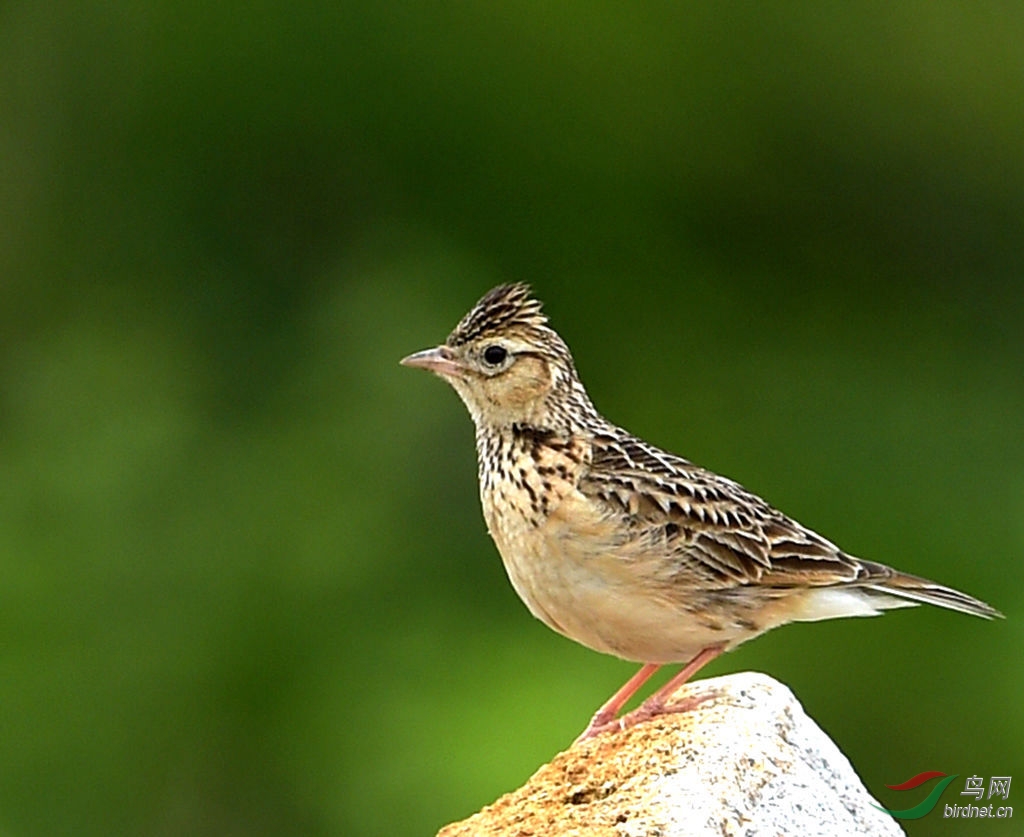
(914, 589)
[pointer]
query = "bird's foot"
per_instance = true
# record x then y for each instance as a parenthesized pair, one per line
(653, 707)
(601, 722)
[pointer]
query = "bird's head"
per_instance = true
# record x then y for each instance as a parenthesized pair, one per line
(509, 366)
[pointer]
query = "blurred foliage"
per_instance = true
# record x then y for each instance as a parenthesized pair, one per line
(246, 585)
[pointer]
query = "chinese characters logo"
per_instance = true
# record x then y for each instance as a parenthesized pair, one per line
(998, 786)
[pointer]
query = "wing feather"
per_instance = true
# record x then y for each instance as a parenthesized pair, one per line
(720, 533)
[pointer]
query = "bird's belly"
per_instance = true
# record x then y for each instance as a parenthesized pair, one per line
(582, 581)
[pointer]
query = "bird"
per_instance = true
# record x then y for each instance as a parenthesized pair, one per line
(624, 547)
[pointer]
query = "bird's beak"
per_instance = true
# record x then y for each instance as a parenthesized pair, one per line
(439, 361)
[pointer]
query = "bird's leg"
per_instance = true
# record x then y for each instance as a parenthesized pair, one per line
(657, 704)
(605, 719)
(608, 712)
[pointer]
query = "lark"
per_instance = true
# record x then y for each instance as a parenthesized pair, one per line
(624, 547)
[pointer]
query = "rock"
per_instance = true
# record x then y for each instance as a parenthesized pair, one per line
(746, 761)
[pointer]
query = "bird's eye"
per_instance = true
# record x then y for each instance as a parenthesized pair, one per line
(493, 355)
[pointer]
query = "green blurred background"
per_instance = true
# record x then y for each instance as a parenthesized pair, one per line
(245, 587)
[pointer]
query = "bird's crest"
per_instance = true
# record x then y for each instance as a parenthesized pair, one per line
(501, 310)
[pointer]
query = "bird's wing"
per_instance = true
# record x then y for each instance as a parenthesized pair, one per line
(716, 532)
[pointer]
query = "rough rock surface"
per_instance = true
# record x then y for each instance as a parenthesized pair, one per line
(746, 761)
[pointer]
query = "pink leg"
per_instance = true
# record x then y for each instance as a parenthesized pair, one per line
(657, 704)
(605, 718)
(615, 703)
